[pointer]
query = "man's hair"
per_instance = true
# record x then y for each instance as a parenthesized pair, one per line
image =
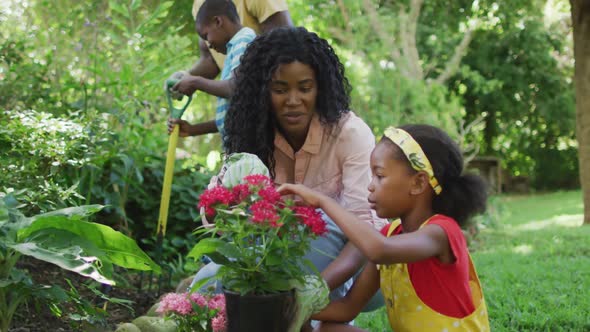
(212, 8)
(249, 122)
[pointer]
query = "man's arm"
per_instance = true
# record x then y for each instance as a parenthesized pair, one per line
(189, 84)
(203, 128)
(278, 19)
(186, 129)
(205, 66)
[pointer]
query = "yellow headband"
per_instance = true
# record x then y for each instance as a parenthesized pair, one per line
(414, 153)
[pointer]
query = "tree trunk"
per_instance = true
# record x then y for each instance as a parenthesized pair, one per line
(581, 26)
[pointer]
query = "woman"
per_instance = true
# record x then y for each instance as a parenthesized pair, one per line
(291, 109)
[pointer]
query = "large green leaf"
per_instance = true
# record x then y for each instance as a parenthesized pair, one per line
(204, 247)
(73, 213)
(278, 282)
(273, 259)
(67, 258)
(218, 258)
(230, 251)
(118, 248)
(18, 222)
(54, 239)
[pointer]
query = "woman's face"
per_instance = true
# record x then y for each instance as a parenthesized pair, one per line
(293, 92)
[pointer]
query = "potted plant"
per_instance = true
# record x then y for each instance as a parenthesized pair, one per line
(260, 240)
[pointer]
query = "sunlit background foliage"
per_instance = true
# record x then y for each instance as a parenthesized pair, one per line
(82, 108)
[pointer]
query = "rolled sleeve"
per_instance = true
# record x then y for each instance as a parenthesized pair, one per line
(357, 143)
(263, 9)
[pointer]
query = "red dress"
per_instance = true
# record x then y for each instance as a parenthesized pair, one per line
(443, 287)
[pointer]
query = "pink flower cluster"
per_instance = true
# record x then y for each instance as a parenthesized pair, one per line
(312, 218)
(264, 228)
(270, 194)
(267, 203)
(175, 302)
(265, 211)
(215, 195)
(182, 304)
(240, 192)
(258, 180)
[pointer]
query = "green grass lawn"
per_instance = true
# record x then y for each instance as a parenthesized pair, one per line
(534, 265)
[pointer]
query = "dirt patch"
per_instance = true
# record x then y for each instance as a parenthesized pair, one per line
(28, 318)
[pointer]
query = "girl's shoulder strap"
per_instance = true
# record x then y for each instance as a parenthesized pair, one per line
(393, 226)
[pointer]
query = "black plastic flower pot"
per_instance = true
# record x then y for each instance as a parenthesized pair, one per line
(261, 313)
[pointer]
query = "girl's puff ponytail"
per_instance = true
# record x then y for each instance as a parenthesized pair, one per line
(463, 195)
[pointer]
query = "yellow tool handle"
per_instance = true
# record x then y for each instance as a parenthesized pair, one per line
(167, 186)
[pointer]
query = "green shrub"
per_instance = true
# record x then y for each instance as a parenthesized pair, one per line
(42, 154)
(64, 238)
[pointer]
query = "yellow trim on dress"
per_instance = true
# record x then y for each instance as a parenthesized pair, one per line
(408, 313)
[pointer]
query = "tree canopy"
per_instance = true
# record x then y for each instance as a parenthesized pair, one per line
(81, 88)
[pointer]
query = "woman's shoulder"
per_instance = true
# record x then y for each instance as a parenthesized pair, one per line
(353, 129)
(353, 123)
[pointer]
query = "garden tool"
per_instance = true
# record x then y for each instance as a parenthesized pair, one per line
(175, 113)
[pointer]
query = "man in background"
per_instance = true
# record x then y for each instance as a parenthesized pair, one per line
(259, 15)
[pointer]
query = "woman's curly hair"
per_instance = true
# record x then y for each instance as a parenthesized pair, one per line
(249, 123)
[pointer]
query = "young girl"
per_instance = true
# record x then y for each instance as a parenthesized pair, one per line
(420, 260)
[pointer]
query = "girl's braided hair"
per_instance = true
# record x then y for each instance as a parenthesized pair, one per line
(249, 123)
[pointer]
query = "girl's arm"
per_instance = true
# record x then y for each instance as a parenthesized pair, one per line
(348, 262)
(348, 307)
(426, 242)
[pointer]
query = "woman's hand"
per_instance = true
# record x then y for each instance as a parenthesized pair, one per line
(308, 196)
(184, 128)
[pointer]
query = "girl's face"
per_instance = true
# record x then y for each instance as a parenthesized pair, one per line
(391, 183)
(293, 92)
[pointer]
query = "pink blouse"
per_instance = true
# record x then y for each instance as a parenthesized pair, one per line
(334, 162)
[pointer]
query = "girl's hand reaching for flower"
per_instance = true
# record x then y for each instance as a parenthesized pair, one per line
(307, 195)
